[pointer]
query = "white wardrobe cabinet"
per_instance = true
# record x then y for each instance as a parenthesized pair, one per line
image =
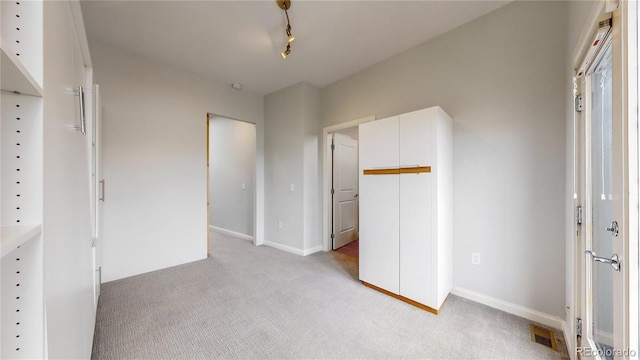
(405, 206)
(46, 308)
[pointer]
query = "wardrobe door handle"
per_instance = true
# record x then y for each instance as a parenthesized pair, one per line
(83, 122)
(101, 198)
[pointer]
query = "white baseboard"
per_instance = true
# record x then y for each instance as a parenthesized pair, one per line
(231, 233)
(287, 248)
(530, 314)
(291, 249)
(313, 250)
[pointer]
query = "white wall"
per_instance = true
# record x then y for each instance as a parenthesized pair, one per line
(291, 150)
(284, 141)
(502, 79)
(155, 159)
(312, 174)
(232, 164)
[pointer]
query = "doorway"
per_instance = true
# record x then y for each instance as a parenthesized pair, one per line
(344, 191)
(231, 162)
(327, 205)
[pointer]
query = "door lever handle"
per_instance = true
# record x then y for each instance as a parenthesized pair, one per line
(614, 260)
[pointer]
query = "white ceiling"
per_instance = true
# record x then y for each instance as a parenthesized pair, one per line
(240, 41)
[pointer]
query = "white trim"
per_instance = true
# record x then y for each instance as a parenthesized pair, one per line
(232, 233)
(287, 248)
(630, 14)
(291, 249)
(570, 341)
(81, 34)
(326, 174)
(587, 33)
(530, 314)
(313, 250)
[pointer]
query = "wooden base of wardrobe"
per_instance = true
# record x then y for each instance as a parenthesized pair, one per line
(400, 297)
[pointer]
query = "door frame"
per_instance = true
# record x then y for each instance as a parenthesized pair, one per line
(326, 175)
(258, 196)
(625, 32)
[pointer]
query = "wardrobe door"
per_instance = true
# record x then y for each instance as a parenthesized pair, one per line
(417, 134)
(416, 241)
(379, 204)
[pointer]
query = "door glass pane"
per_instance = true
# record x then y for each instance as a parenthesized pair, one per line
(602, 210)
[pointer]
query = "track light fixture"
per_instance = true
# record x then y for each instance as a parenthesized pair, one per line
(285, 5)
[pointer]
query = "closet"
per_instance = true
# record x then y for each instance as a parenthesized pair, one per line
(47, 306)
(406, 199)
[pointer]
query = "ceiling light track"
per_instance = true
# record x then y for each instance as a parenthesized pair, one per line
(285, 5)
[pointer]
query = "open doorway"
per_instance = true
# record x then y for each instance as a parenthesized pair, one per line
(328, 132)
(344, 191)
(231, 159)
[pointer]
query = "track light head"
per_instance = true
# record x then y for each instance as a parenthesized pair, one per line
(285, 53)
(290, 36)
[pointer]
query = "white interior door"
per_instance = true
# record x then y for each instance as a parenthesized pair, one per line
(602, 281)
(345, 190)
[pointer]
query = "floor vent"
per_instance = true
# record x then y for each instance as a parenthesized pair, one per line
(543, 336)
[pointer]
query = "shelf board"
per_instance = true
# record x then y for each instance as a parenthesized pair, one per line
(13, 236)
(15, 77)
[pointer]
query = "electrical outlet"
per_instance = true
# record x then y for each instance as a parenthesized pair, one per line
(244, 186)
(280, 224)
(475, 258)
(292, 187)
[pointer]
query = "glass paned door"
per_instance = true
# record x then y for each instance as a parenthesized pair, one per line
(600, 285)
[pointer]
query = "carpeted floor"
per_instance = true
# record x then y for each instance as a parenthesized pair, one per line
(252, 302)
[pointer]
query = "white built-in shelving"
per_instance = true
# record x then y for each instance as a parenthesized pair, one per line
(12, 237)
(22, 269)
(15, 77)
(22, 46)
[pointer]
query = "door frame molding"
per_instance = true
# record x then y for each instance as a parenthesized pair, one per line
(629, 14)
(258, 195)
(326, 174)
(575, 240)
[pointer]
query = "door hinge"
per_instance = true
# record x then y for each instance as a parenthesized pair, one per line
(333, 147)
(333, 191)
(579, 103)
(578, 327)
(579, 215)
(333, 236)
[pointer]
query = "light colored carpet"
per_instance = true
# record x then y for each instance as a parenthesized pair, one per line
(258, 303)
